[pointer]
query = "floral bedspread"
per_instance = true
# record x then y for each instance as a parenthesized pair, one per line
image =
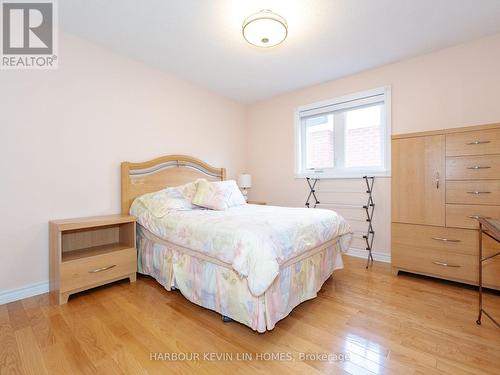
(253, 239)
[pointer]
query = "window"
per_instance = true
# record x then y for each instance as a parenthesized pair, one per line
(344, 137)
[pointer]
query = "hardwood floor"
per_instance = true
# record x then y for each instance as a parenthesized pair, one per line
(385, 324)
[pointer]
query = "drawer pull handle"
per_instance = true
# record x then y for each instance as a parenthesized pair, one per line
(478, 217)
(479, 192)
(446, 264)
(102, 269)
(478, 142)
(444, 239)
(479, 167)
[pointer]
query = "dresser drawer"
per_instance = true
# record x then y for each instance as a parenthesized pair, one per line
(473, 167)
(473, 192)
(92, 271)
(464, 215)
(447, 253)
(479, 142)
(439, 239)
(457, 267)
(415, 250)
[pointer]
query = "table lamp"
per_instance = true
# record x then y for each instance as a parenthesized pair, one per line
(245, 182)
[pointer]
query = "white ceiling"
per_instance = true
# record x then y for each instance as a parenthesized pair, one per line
(201, 41)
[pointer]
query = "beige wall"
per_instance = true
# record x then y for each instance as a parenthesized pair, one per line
(450, 88)
(63, 134)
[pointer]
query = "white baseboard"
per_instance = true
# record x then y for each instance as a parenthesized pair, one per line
(24, 292)
(362, 253)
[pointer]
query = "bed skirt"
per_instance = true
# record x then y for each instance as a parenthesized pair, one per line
(214, 285)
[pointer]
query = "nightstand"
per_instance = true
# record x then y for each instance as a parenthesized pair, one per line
(257, 202)
(89, 252)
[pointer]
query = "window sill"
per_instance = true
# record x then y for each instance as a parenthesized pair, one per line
(343, 176)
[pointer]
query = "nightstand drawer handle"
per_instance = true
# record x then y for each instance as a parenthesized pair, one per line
(444, 239)
(446, 264)
(479, 167)
(479, 192)
(478, 142)
(102, 269)
(478, 217)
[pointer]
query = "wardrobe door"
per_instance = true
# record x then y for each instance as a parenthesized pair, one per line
(418, 180)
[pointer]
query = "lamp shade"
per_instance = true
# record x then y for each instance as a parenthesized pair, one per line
(245, 181)
(265, 29)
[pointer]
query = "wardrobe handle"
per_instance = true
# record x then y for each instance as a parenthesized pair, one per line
(102, 269)
(479, 167)
(444, 239)
(478, 217)
(446, 264)
(437, 180)
(478, 142)
(479, 192)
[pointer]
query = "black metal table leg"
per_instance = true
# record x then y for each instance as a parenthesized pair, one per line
(478, 321)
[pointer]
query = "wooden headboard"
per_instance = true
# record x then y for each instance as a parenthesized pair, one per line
(165, 171)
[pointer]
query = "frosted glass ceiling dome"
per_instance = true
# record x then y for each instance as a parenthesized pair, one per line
(265, 29)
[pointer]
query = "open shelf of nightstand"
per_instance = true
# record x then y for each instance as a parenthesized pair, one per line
(88, 252)
(93, 251)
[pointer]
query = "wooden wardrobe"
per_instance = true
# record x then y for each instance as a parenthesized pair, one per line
(441, 181)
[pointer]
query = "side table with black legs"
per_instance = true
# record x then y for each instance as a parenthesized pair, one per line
(490, 228)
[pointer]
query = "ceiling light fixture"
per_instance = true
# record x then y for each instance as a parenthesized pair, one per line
(265, 29)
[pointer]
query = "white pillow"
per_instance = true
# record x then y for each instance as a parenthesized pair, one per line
(218, 195)
(232, 193)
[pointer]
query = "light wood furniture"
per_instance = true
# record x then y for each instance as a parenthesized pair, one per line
(418, 169)
(442, 181)
(165, 171)
(88, 252)
(386, 325)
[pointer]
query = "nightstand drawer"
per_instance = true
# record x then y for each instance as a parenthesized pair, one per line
(94, 270)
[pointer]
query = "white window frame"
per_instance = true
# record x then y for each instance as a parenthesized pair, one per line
(344, 102)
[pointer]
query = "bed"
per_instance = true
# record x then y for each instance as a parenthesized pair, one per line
(251, 263)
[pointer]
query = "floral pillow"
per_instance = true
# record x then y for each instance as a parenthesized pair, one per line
(186, 191)
(218, 195)
(160, 202)
(176, 198)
